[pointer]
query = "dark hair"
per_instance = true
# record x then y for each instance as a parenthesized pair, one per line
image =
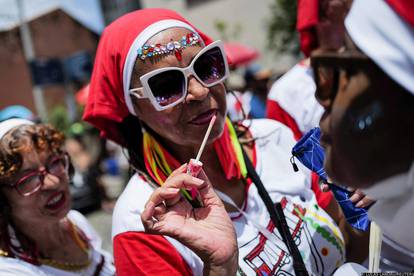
(130, 132)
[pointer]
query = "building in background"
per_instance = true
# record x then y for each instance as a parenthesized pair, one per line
(66, 32)
(112, 9)
(65, 35)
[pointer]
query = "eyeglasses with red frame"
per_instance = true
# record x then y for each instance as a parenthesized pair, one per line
(33, 181)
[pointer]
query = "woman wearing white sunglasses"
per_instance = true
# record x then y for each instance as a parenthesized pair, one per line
(156, 85)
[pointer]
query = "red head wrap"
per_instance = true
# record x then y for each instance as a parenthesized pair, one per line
(405, 9)
(307, 19)
(108, 101)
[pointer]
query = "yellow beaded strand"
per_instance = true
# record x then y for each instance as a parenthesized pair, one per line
(67, 265)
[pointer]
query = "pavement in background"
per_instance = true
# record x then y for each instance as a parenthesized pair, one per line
(102, 222)
(101, 219)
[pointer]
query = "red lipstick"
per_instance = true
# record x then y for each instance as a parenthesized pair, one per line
(203, 118)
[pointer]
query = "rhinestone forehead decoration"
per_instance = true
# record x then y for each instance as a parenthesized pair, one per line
(172, 47)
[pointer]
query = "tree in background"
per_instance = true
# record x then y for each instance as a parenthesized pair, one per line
(59, 118)
(227, 32)
(282, 34)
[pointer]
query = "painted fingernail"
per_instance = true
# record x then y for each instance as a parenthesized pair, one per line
(197, 180)
(149, 205)
(173, 190)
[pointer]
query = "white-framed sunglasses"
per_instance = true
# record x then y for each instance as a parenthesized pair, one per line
(167, 87)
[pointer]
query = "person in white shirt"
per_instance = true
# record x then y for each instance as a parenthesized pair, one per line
(39, 234)
(367, 91)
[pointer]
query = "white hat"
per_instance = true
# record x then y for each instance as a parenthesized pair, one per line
(384, 31)
(9, 124)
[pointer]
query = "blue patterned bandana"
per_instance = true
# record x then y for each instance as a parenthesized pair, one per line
(310, 153)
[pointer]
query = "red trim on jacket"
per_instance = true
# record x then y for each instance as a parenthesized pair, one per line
(323, 198)
(138, 253)
(276, 112)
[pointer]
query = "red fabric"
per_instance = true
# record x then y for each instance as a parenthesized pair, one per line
(81, 96)
(106, 104)
(240, 54)
(223, 147)
(405, 8)
(138, 253)
(307, 18)
(276, 112)
(323, 198)
(227, 156)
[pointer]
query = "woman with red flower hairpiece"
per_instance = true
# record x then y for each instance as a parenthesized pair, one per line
(156, 85)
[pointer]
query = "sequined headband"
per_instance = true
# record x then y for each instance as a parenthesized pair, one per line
(172, 47)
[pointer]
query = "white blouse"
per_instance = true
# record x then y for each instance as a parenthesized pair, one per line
(13, 266)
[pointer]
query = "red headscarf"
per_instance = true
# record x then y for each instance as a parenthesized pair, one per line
(404, 8)
(106, 104)
(307, 19)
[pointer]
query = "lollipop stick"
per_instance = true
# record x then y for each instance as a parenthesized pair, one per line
(203, 144)
(194, 167)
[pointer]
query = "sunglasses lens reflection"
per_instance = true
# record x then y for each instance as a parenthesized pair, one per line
(167, 87)
(210, 66)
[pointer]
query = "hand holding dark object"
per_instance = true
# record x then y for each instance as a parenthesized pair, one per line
(358, 198)
(208, 231)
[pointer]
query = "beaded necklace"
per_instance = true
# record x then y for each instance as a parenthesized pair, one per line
(16, 250)
(160, 163)
(71, 266)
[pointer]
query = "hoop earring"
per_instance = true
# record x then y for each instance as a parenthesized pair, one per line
(244, 115)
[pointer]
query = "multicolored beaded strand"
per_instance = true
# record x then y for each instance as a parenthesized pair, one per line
(172, 47)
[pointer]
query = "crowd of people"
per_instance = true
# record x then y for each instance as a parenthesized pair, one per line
(157, 83)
